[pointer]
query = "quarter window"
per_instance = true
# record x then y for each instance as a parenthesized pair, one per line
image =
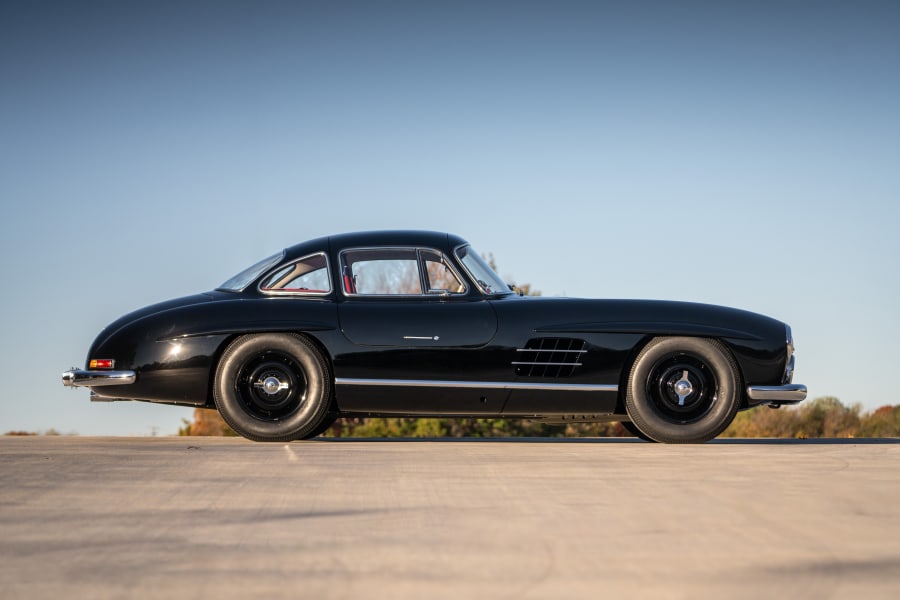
(309, 275)
(439, 275)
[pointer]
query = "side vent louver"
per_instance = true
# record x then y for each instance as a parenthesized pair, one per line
(549, 357)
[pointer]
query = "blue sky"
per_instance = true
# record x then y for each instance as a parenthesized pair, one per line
(745, 154)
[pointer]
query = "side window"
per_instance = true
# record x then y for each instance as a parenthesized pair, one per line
(309, 275)
(381, 272)
(398, 272)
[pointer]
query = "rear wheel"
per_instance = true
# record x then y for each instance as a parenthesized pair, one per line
(683, 390)
(273, 387)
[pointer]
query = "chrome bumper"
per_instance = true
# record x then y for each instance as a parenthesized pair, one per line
(791, 393)
(82, 378)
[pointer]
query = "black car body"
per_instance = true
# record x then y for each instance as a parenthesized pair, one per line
(411, 323)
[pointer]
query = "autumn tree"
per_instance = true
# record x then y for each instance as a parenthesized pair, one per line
(206, 421)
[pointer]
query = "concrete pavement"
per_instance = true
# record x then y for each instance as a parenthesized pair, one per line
(226, 518)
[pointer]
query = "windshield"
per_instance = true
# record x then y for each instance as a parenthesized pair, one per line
(481, 272)
(245, 277)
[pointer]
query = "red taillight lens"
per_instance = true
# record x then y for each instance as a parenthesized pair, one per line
(102, 363)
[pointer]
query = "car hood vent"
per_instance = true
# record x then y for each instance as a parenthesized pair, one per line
(549, 357)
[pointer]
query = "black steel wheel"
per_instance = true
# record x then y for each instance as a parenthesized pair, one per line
(683, 390)
(273, 387)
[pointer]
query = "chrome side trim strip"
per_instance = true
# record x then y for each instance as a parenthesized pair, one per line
(547, 350)
(776, 394)
(494, 385)
(549, 364)
(82, 378)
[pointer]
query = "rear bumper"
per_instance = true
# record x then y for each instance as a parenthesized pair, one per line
(790, 393)
(82, 378)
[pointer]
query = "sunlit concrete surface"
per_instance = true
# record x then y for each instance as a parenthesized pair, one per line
(226, 518)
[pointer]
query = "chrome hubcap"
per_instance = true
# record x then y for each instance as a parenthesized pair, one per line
(683, 388)
(272, 385)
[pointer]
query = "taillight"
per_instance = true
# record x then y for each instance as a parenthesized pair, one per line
(102, 363)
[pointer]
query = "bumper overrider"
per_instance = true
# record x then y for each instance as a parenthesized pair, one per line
(82, 378)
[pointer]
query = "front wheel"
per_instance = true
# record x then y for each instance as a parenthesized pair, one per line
(273, 387)
(683, 390)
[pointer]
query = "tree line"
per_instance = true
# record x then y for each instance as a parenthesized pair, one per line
(824, 417)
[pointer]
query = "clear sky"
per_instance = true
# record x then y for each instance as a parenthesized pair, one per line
(737, 153)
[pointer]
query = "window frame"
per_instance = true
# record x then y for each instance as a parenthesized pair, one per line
(420, 271)
(295, 292)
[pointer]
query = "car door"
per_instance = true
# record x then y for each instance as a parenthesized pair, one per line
(413, 325)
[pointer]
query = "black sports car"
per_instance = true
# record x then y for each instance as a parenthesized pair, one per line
(411, 323)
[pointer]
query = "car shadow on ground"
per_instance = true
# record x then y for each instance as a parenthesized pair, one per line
(613, 440)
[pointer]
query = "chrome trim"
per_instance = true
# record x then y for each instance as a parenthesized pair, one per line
(493, 385)
(789, 361)
(95, 397)
(683, 387)
(776, 394)
(548, 350)
(789, 370)
(82, 378)
(271, 272)
(549, 364)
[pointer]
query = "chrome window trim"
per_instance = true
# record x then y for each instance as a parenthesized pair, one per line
(449, 264)
(497, 385)
(277, 268)
(475, 279)
(417, 250)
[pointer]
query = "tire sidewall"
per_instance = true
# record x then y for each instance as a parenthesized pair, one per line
(305, 356)
(647, 417)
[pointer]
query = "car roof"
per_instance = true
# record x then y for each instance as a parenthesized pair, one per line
(360, 239)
